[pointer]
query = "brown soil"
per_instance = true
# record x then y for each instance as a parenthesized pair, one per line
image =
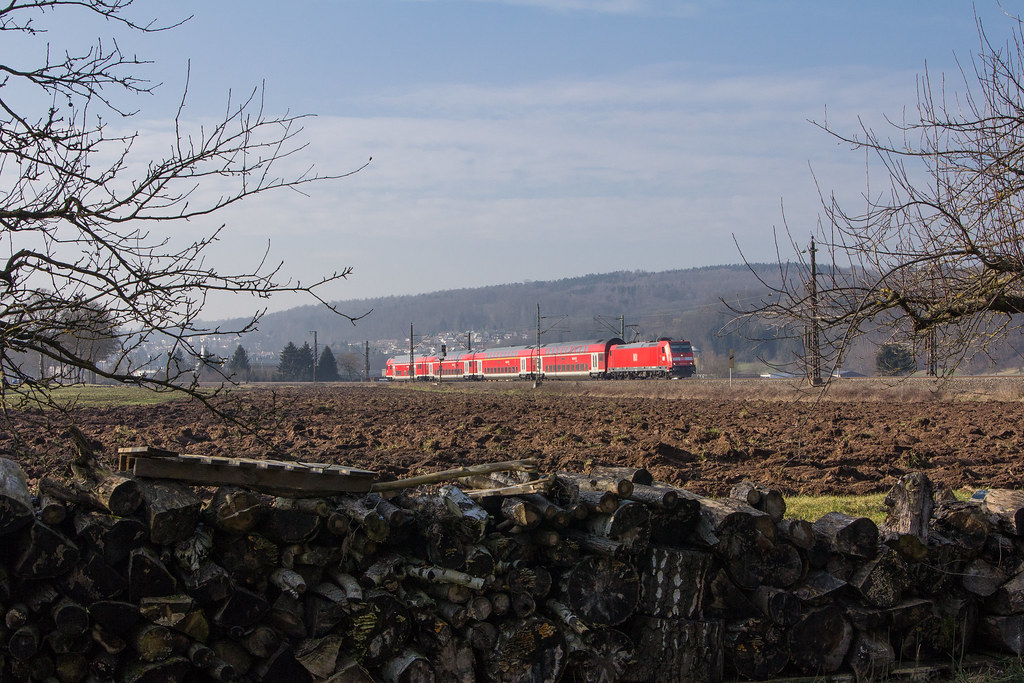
(701, 436)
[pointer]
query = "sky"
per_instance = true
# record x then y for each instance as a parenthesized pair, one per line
(517, 140)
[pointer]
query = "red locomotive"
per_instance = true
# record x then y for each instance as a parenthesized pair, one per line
(594, 359)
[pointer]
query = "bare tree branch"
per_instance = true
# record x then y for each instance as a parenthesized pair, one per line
(92, 269)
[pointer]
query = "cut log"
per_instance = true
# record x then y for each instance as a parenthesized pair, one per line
(444, 544)
(474, 518)
(381, 626)
(600, 656)
(112, 491)
(92, 579)
(408, 666)
(819, 588)
(520, 512)
(287, 616)
(43, 552)
(114, 616)
(24, 643)
(818, 643)
(755, 649)
(239, 610)
(629, 525)
(319, 656)
(781, 607)
(659, 497)
(673, 582)
(454, 662)
(760, 497)
(882, 580)
(599, 501)
(364, 517)
(1009, 598)
(725, 601)
(529, 651)
(178, 612)
(151, 642)
(634, 475)
(672, 650)
(112, 537)
(148, 576)
(964, 524)
(234, 510)
(601, 591)
(982, 579)
(909, 504)
(799, 532)
(482, 636)
(248, 559)
(286, 526)
(1004, 633)
(69, 617)
(871, 656)
(740, 535)
(1007, 505)
(280, 666)
(170, 669)
(617, 485)
(208, 583)
(849, 535)
(52, 511)
(171, 510)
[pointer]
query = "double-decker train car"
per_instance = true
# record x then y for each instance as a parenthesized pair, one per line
(591, 359)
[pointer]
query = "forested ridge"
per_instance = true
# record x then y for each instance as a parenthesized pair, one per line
(677, 303)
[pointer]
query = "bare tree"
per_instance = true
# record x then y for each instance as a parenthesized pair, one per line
(94, 261)
(936, 256)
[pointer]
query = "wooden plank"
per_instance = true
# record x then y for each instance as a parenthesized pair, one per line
(270, 476)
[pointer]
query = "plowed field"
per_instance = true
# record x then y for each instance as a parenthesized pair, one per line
(858, 438)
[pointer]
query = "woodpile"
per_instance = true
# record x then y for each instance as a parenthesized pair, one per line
(608, 576)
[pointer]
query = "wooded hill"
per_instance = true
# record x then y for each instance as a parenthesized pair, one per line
(682, 304)
(677, 303)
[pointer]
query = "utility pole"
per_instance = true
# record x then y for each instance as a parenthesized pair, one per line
(622, 327)
(366, 360)
(412, 356)
(536, 354)
(815, 348)
(316, 355)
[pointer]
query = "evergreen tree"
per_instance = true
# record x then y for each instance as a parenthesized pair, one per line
(239, 363)
(327, 368)
(893, 360)
(289, 363)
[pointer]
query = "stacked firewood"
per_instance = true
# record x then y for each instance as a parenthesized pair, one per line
(601, 577)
